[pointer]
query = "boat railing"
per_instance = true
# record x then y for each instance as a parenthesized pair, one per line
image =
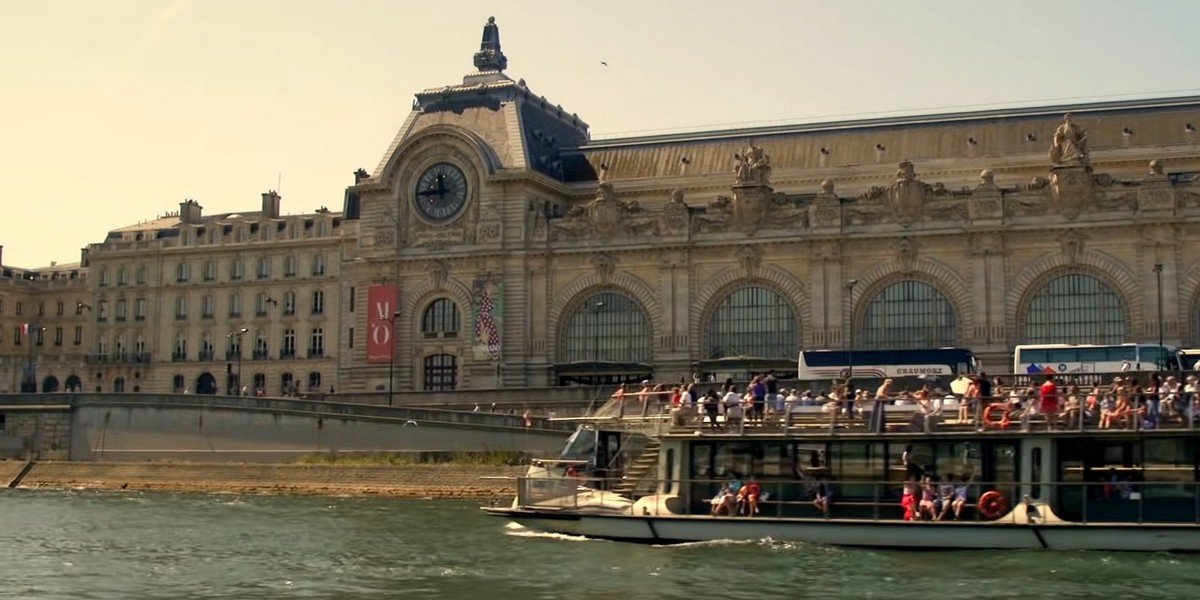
(1117, 499)
(1092, 410)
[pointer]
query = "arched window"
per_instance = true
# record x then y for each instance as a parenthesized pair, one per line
(440, 319)
(607, 327)
(289, 303)
(177, 384)
(752, 321)
(441, 372)
(287, 385)
(1074, 309)
(908, 314)
(260, 383)
(314, 380)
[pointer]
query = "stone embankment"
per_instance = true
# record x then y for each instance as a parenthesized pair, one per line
(9, 469)
(449, 480)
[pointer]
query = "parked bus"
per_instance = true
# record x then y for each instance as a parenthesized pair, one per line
(1036, 359)
(1189, 358)
(878, 364)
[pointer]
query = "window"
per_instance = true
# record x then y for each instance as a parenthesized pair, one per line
(78, 335)
(289, 266)
(122, 277)
(260, 346)
(288, 349)
(139, 309)
(908, 314)
(351, 299)
(752, 321)
(121, 310)
(287, 384)
(20, 308)
(318, 264)
(316, 343)
(264, 267)
(17, 335)
(440, 319)
(210, 270)
(103, 276)
(1074, 309)
(40, 335)
(139, 348)
(318, 302)
(120, 349)
(58, 336)
(233, 347)
(182, 272)
(206, 346)
(350, 338)
(261, 302)
(260, 382)
(180, 353)
(207, 307)
(289, 303)
(441, 372)
(314, 380)
(181, 308)
(140, 276)
(102, 313)
(237, 269)
(59, 309)
(41, 309)
(235, 305)
(177, 384)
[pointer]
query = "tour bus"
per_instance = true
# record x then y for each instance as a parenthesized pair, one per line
(878, 364)
(1189, 358)
(1034, 359)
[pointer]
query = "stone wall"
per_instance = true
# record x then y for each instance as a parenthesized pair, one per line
(40, 434)
(415, 481)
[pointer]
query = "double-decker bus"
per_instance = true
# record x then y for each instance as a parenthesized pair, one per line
(878, 364)
(1049, 359)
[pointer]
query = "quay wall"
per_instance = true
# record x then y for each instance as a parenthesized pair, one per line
(447, 480)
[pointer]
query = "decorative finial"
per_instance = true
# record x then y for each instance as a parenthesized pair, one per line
(489, 57)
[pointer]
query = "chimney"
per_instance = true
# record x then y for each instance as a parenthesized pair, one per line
(270, 204)
(189, 211)
(360, 175)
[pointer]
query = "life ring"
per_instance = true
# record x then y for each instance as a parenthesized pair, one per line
(992, 504)
(996, 415)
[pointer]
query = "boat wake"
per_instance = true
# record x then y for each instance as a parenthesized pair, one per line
(516, 530)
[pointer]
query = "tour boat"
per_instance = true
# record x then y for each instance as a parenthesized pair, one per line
(828, 478)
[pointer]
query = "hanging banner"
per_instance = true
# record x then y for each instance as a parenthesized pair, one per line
(487, 297)
(381, 305)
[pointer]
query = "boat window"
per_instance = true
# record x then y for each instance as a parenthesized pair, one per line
(701, 461)
(812, 459)
(1004, 464)
(734, 460)
(670, 466)
(1035, 473)
(580, 446)
(1169, 469)
(958, 460)
(857, 466)
(777, 461)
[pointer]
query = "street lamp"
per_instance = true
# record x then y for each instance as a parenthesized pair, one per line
(850, 354)
(1158, 268)
(237, 337)
(392, 355)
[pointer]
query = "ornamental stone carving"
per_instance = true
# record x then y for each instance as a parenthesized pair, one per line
(604, 217)
(1157, 193)
(604, 264)
(1072, 245)
(1073, 189)
(753, 167)
(437, 273)
(1070, 144)
(749, 257)
(673, 222)
(986, 203)
(905, 196)
(825, 210)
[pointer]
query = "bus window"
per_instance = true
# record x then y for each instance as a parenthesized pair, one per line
(1092, 355)
(1035, 356)
(1061, 355)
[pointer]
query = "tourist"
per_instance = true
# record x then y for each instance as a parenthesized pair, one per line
(644, 396)
(908, 499)
(722, 502)
(1048, 394)
(772, 387)
(823, 495)
(750, 494)
(712, 407)
(1070, 413)
(960, 498)
(945, 498)
(927, 505)
(970, 401)
(1168, 398)
(758, 398)
(619, 398)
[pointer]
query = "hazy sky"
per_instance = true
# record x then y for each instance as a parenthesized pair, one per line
(114, 112)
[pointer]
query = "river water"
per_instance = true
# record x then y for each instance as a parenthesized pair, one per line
(163, 545)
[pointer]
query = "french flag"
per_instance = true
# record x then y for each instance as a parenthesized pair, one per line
(24, 329)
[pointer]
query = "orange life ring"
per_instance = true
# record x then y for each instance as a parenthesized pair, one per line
(992, 505)
(997, 409)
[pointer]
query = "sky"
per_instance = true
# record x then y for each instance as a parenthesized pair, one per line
(114, 112)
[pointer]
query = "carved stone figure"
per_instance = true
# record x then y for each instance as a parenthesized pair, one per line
(753, 167)
(674, 218)
(1157, 193)
(1073, 190)
(986, 199)
(1070, 144)
(749, 257)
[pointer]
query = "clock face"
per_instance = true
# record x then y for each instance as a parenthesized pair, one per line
(441, 191)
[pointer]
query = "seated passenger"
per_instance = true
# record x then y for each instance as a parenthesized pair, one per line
(945, 497)
(722, 502)
(823, 496)
(751, 492)
(908, 499)
(960, 498)
(927, 506)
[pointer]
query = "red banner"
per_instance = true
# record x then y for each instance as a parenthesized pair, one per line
(381, 305)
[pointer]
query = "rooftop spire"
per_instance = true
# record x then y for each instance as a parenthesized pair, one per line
(489, 57)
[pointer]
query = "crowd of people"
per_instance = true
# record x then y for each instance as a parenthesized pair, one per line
(1124, 402)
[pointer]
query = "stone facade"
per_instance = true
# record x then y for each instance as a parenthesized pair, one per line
(524, 253)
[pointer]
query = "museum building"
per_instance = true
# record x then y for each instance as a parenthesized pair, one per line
(497, 245)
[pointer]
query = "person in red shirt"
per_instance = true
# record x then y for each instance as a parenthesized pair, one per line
(1049, 396)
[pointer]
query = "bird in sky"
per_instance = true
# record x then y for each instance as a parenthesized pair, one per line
(604, 63)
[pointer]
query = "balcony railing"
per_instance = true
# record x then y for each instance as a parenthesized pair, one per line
(178, 356)
(287, 353)
(205, 355)
(316, 353)
(260, 354)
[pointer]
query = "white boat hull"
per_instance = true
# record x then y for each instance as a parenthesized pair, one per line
(946, 535)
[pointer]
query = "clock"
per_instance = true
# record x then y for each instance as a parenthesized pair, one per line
(441, 192)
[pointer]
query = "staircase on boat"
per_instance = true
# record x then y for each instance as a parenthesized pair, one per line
(642, 474)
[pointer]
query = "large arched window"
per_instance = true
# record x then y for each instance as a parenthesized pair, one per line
(1074, 309)
(752, 321)
(607, 327)
(908, 314)
(440, 319)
